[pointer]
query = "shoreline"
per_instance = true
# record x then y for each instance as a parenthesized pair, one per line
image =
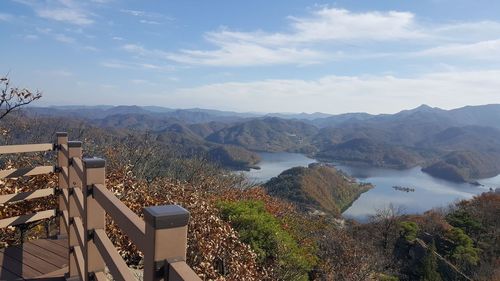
(360, 164)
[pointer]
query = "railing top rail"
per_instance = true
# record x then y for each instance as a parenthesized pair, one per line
(181, 271)
(27, 218)
(78, 165)
(21, 196)
(27, 171)
(130, 223)
(115, 262)
(25, 148)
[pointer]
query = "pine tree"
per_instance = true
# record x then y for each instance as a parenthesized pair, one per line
(429, 269)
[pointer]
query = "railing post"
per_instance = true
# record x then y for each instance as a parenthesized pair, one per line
(94, 217)
(74, 151)
(62, 161)
(166, 239)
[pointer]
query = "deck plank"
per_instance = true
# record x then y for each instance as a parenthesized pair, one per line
(17, 268)
(7, 275)
(51, 247)
(46, 255)
(61, 242)
(34, 260)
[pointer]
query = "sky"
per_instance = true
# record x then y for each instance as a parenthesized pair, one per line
(255, 56)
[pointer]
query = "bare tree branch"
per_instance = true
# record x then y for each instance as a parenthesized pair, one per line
(12, 98)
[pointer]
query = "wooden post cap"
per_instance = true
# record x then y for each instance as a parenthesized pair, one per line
(74, 144)
(61, 134)
(166, 216)
(91, 163)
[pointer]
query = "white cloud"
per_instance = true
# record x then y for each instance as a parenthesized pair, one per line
(135, 13)
(147, 17)
(56, 36)
(324, 25)
(136, 65)
(233, 55)
(467, 31)
(236, 54)
(142, 82)
(65, 15)
(64, 38)
(339, 24)
(114, 65)
(90, 48)
(150, 22)
(68, 11)
(486, 50)
(337, 94)
(30, 37)
(44, 30)
(133, 48)
(331, 24)
(6, 17)
(330, 34)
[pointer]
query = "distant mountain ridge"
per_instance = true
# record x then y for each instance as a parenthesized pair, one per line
(421, 136)
(194, 115)
(483, 115)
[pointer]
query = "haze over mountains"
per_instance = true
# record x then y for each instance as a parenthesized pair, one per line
(461, 144)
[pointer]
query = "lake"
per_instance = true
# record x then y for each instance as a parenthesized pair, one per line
(272, 164)
(429, 192)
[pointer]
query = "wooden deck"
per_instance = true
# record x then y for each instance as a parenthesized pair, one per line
(161, 235)
(44, 259)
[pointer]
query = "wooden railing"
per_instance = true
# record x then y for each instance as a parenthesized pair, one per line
(84, 201)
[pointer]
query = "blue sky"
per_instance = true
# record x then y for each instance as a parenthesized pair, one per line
(260, 56)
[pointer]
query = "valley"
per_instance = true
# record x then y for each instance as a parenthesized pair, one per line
(437, 152)
(459, 145)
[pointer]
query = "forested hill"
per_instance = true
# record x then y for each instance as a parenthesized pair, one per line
(460, 144)
(317, 187)
(268, 134)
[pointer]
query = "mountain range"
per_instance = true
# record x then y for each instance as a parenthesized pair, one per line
(461, 144)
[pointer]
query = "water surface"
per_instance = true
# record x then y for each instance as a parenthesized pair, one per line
(429, 192)
(272, 164)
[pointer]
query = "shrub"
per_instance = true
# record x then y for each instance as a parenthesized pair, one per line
(463, 220)
(409, 230)
(384, 277)
(464, 250)
(267, 238)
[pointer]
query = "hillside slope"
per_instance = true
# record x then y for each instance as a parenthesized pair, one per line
(464, 166)
(318, 187)
(268, 134)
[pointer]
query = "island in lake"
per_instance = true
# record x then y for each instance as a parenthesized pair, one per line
(403, 188)
(317, 188)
